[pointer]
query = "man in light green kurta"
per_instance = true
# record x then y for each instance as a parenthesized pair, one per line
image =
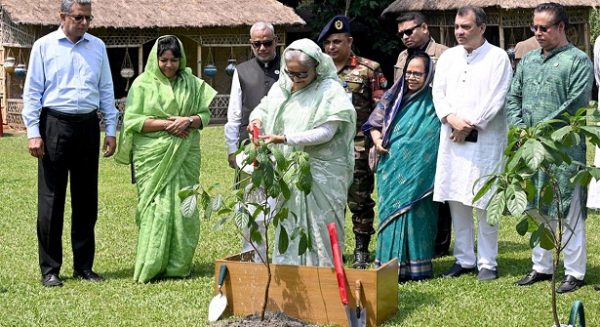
(287, 112)
(164, 163)
(549, 82)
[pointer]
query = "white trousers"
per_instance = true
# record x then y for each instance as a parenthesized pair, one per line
(464, 238)
(574, 254)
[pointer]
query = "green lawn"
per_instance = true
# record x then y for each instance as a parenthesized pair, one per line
(121, 302)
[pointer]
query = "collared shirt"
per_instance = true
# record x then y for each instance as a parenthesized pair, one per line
(432, 48)
(472, 86)
(68, 77)
(364, 82)
(544, 88)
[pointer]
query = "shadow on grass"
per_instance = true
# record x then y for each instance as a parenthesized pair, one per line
(409, 302)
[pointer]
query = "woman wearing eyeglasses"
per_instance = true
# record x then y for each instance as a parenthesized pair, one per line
(166, 108)
(308, 109)
(405, 131)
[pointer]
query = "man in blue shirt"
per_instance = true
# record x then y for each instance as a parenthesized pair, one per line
(68, 82)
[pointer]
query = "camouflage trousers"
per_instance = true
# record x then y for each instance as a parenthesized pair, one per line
(359, 198)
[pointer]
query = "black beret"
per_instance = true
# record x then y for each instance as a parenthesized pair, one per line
(338, 24)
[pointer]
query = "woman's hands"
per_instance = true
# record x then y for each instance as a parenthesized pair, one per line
(178, 126)
(254, 123)
(270, 138)
(376, 136)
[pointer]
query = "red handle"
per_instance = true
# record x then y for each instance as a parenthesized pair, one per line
(337, 263)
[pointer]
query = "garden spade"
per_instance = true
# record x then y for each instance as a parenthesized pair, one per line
(219, 302)
(340, 274)
(361, 311)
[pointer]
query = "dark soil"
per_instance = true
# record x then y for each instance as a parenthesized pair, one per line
(278, 319)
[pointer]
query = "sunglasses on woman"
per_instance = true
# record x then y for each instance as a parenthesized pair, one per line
(266, 43)
(300, 75)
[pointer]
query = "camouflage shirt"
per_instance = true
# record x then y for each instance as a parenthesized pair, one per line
(364, 82)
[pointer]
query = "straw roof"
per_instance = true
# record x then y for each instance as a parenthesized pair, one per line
(399, 6)
(158, 13)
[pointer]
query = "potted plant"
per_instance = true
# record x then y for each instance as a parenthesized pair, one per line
(273, 176)
(531, 151)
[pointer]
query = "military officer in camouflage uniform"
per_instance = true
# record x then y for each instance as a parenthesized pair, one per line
(364, 83)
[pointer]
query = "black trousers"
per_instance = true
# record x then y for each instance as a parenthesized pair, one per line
(72, 146)
(444, 229)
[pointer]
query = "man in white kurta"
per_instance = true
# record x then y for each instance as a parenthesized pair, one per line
(469, 89)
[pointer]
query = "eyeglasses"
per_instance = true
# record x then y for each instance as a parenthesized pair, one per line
(266, 43)
(408, 31)
(541, 28)
(79, 18)
(300, 75)
(410, 74)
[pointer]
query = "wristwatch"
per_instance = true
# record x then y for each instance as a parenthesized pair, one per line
(191, 120)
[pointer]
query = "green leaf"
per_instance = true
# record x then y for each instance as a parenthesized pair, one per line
(284, 240)
(514, 159)
(593, 133)
(547, 194)
(560, 134)
(285, 190)
(533, 153)
(533, 224)
(217, 202)
(517, 200)
(546, 238)
(241, 218)
(282, 163)
(534, 239)
(583, 178)
(557, 154)
(281, 215)
(186, 192)
(595, 172)
(188, 206)
(256, 236)
(303, 243)
(485, 188)
(523, 226)
(257, 177)
(495, 208)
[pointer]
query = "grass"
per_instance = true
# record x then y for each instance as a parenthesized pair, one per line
(121, 302)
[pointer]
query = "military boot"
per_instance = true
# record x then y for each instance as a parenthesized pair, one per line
(361, 252)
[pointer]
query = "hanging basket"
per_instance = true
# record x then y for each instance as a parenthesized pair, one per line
(9, 63)
(231, 63)
(127, 71)
(210, 69)
(21, 70)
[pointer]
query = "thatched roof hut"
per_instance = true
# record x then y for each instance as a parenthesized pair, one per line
(399, 6)
(212, 31)
(508, 20)
(142, 14)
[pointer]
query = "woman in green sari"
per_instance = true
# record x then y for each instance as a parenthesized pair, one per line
(166, 108)
(405, 132)
(307, 109)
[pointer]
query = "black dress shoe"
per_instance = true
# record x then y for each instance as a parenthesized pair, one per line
(532, 278)
(51, 280)
(597, 287)
(569, 284)
(457, 270)
(487, 274)
(87, 275)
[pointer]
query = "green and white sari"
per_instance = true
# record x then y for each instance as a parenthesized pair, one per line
(285, 112)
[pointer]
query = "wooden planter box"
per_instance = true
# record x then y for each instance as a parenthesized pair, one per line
(306, 292)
